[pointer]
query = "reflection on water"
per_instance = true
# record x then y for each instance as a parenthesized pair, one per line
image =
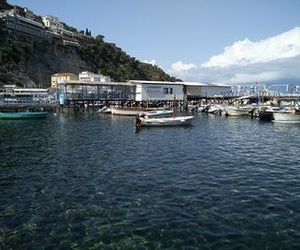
(89, 181)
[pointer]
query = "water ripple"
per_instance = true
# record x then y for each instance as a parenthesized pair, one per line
(89, 181)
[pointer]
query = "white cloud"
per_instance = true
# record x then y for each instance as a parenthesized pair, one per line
(273, 59)
(245, 52)
(181, 67)
(152, 62)
(264, 76)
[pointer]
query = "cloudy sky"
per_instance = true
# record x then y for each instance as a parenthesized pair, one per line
(230, 41)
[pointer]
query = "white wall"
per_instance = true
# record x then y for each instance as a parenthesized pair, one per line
(207, 91)
(152, 92)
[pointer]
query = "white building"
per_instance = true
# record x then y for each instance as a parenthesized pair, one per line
(168, 91)
(204, 90)
(87, 76)
(52, 23)
(158, 90)
(29, 14)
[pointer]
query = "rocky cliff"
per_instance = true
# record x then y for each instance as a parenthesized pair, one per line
(30, 61)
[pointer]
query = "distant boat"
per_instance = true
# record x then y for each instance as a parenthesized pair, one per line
(104, 110)
(238, 111)
(23, 115)
(128, 111)
(292, 116)
(164, 121)
(215, 109)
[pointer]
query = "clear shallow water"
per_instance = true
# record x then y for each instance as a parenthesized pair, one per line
(90, 181)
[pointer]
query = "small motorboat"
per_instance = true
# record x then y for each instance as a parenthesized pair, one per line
(164, 121)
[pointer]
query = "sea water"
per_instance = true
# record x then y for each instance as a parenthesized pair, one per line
(91, 181)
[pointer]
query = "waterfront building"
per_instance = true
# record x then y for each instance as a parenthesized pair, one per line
(158, 90)
(166, 91)
(81, 90)
(10, 94)
(62, 78)
(195, 90)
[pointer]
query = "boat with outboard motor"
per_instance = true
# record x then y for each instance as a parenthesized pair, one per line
(164, 121)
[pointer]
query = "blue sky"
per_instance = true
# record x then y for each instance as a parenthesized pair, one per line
(183, 36)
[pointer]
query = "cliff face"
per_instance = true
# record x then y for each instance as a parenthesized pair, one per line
(44, 59)
(30, 62)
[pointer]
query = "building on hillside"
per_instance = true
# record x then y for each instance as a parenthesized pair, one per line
(93, 77)
(52, 23)
(25, 21)
(59, 78)
(72, 38)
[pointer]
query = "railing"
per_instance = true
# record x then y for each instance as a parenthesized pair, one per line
(102, 96)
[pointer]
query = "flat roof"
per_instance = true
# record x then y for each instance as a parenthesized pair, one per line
(200, 84)
(196, 84)
(155, 82)
(95, 83)
(133, 82)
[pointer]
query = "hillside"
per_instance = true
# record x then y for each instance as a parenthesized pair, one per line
(29, 61)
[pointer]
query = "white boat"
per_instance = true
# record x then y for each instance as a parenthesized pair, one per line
(238, 111)
(128, 111)
(104, 110)
(292, 116)
(156, 113)
(215, 109)
(165, 121)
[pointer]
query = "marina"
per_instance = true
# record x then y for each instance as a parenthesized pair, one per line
(136, 130)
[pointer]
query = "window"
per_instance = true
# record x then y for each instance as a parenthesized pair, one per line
(171, 91)
(166, 91)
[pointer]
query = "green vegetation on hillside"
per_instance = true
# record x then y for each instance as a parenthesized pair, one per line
(114, 62)
(24, 59)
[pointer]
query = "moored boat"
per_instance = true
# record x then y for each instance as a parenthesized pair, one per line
(104, 110)
(238, 111)
(128, 111)
(164, 121)
(156, 113)
(23, 115)
(292, 116)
